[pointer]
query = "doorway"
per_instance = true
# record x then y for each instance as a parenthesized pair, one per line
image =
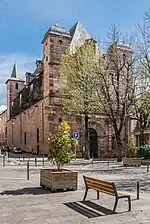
(93, 143)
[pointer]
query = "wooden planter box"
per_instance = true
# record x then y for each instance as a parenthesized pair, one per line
(58, 180)
(145, 161)
(131, 161)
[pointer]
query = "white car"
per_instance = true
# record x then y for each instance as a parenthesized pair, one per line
(17, 150)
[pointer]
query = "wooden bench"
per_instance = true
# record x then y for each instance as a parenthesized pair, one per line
(105, 187)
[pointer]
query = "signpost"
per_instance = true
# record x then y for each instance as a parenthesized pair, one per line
(76, 136)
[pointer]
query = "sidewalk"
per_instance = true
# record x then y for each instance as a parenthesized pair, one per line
(24, 202)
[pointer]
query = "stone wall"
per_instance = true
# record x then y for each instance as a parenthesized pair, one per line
(27, 123)
(30, 94)
(3, 129)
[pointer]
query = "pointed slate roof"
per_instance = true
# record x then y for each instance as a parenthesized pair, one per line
(14, 72)
(58, 30)
(79, 35)
(14, 75)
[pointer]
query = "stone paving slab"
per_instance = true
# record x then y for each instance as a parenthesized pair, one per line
(24, 202)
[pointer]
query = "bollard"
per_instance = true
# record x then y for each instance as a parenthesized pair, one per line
(138, 189)
(147, 167)
(3, 160)
(23, 159)
(43, 159)
(28, 170)
(35, 161)
(92, 159)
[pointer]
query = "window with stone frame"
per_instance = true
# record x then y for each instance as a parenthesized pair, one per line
(37, 135)
(25, 137)
(16, 85)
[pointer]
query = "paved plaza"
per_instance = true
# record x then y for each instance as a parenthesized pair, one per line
(24, 202)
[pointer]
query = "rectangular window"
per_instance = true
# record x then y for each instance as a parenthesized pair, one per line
(5, 132)
(25, 138)
(16, 85)
(37, 134)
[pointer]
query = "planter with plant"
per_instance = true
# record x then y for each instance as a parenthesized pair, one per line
(60, 153)
(131, 158)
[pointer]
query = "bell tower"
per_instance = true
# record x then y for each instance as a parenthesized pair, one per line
(55, 42)
(14, 86)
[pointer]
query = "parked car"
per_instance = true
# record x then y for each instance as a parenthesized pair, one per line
(17, 150)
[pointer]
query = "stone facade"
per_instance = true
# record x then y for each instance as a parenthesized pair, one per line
(3, 128)
(34, 110)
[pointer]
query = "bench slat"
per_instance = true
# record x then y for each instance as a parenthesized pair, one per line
(100, 184)
(98, 181)
(102, 189)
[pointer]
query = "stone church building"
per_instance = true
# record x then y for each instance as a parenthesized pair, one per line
(33, 105)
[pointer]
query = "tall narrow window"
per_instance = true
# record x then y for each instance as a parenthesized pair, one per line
(16, 85)
(5, 133)
(37, 134)
(25, 137)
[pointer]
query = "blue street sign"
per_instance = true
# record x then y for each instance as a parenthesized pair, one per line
(76, 135)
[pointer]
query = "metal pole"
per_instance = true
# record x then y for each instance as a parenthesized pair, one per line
(43, 159)
(92, 159)
(147, 167)
(108, 163)
(138, 189)
(27, 170)
(35, 161)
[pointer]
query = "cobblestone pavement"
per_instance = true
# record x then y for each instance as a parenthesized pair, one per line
(24, 202)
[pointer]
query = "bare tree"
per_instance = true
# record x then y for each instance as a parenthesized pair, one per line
(143, 44)
(115, 84)
(142, 102)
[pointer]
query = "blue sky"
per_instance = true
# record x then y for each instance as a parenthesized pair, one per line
(23, 24)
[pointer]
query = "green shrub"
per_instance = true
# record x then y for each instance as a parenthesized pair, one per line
(144, 151)
(61, 146)
(130, 148)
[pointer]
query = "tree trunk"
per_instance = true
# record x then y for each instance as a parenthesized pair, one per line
(119, 148)
(87, 148)
(141, 137)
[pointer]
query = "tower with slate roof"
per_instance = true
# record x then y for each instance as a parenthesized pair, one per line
(55, 43)
(14, 85)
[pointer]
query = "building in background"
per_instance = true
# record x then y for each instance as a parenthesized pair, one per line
(33, 105)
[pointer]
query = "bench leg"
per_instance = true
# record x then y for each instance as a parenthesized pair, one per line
(115, 205)
(129, 201)
(97, 194)
(85, 194)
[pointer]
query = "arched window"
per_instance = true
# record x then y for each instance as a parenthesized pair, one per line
(60, 42)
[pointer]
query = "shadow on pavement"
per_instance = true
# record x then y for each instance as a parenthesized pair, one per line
(89, 209)
(30, 190)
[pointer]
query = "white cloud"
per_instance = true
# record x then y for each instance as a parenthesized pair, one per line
(2, 108)
(24, 63)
